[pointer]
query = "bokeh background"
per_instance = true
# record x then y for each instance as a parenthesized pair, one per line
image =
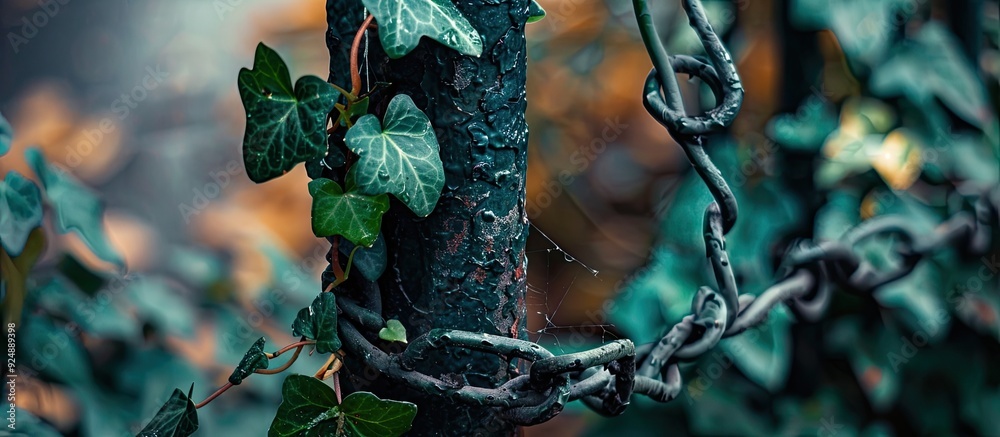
(210, 253)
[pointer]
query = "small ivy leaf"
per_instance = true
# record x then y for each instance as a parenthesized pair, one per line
(535, 12)
(318, 322)
(807, 128)
(402, 23)
(20, 212)
(357, 109)
(308, 408)
(6, 135)
(402, 159)
(357, 217)
(393, 331)
(370, 261)
(367, 415)
(77, 208)
(285, 126)
(253, 360)
(176, 418)
(899, 160)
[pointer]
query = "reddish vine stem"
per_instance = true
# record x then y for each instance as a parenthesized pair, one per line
(283, 367)
(355, 73)
(218, 392)
(298, 344)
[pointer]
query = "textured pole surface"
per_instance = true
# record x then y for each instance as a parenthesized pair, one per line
(464, 266)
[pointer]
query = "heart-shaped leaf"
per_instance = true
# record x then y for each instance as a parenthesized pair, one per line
(77, 208)
(176, 418)
(367, 415)
(401, 23)
(357, 217)
(370, 261)
(253, 360)
(308, 408)
(6, 135)
(535, 12)
(318, 322)
(932, 65)
(20, 212)
(285, 126)
(393, 331)
(402, 158)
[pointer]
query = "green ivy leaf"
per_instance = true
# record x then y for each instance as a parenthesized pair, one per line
(6, 135)
(20, 212)
(101, 317)
(77, 208)
(177, 418)
(308, 408)
(535, 12)
(253, 360)
(318, 322)
(357, 217)
(393, 331)
(367, 415)
(401, 23)
(370, 261)
(285, 126)
(932, 65)
(157, 303)
(807, 129)
(403, 158)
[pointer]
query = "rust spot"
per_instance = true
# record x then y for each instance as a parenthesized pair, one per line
(479, 275)
(456, 241)
(985, 313)
(871, 377)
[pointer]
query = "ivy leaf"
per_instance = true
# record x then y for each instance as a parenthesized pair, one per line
(355, 216)
(176, 418)
(308, 408)
(932, 65)
(285, 126)
(77, 208)
(393, 331)
(20, 212)
(403, 158)
(370, 261)
(535, 12)
(807, 128)
(6, 135)
(367, 415)
(253, 360)
(318, 322)
(402, 23)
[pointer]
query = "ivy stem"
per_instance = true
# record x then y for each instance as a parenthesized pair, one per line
(298, 344)
(218, 392)
(336, 387)
(335, 262)
(355, 73)
(285, 366)
(322, 370)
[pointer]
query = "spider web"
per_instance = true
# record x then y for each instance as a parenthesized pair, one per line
(546, 300)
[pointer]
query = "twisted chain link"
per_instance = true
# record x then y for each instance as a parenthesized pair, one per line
(605, 378)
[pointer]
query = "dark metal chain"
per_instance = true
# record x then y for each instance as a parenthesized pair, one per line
(605, 378)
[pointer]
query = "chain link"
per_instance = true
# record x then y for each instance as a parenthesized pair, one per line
(605, 378)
